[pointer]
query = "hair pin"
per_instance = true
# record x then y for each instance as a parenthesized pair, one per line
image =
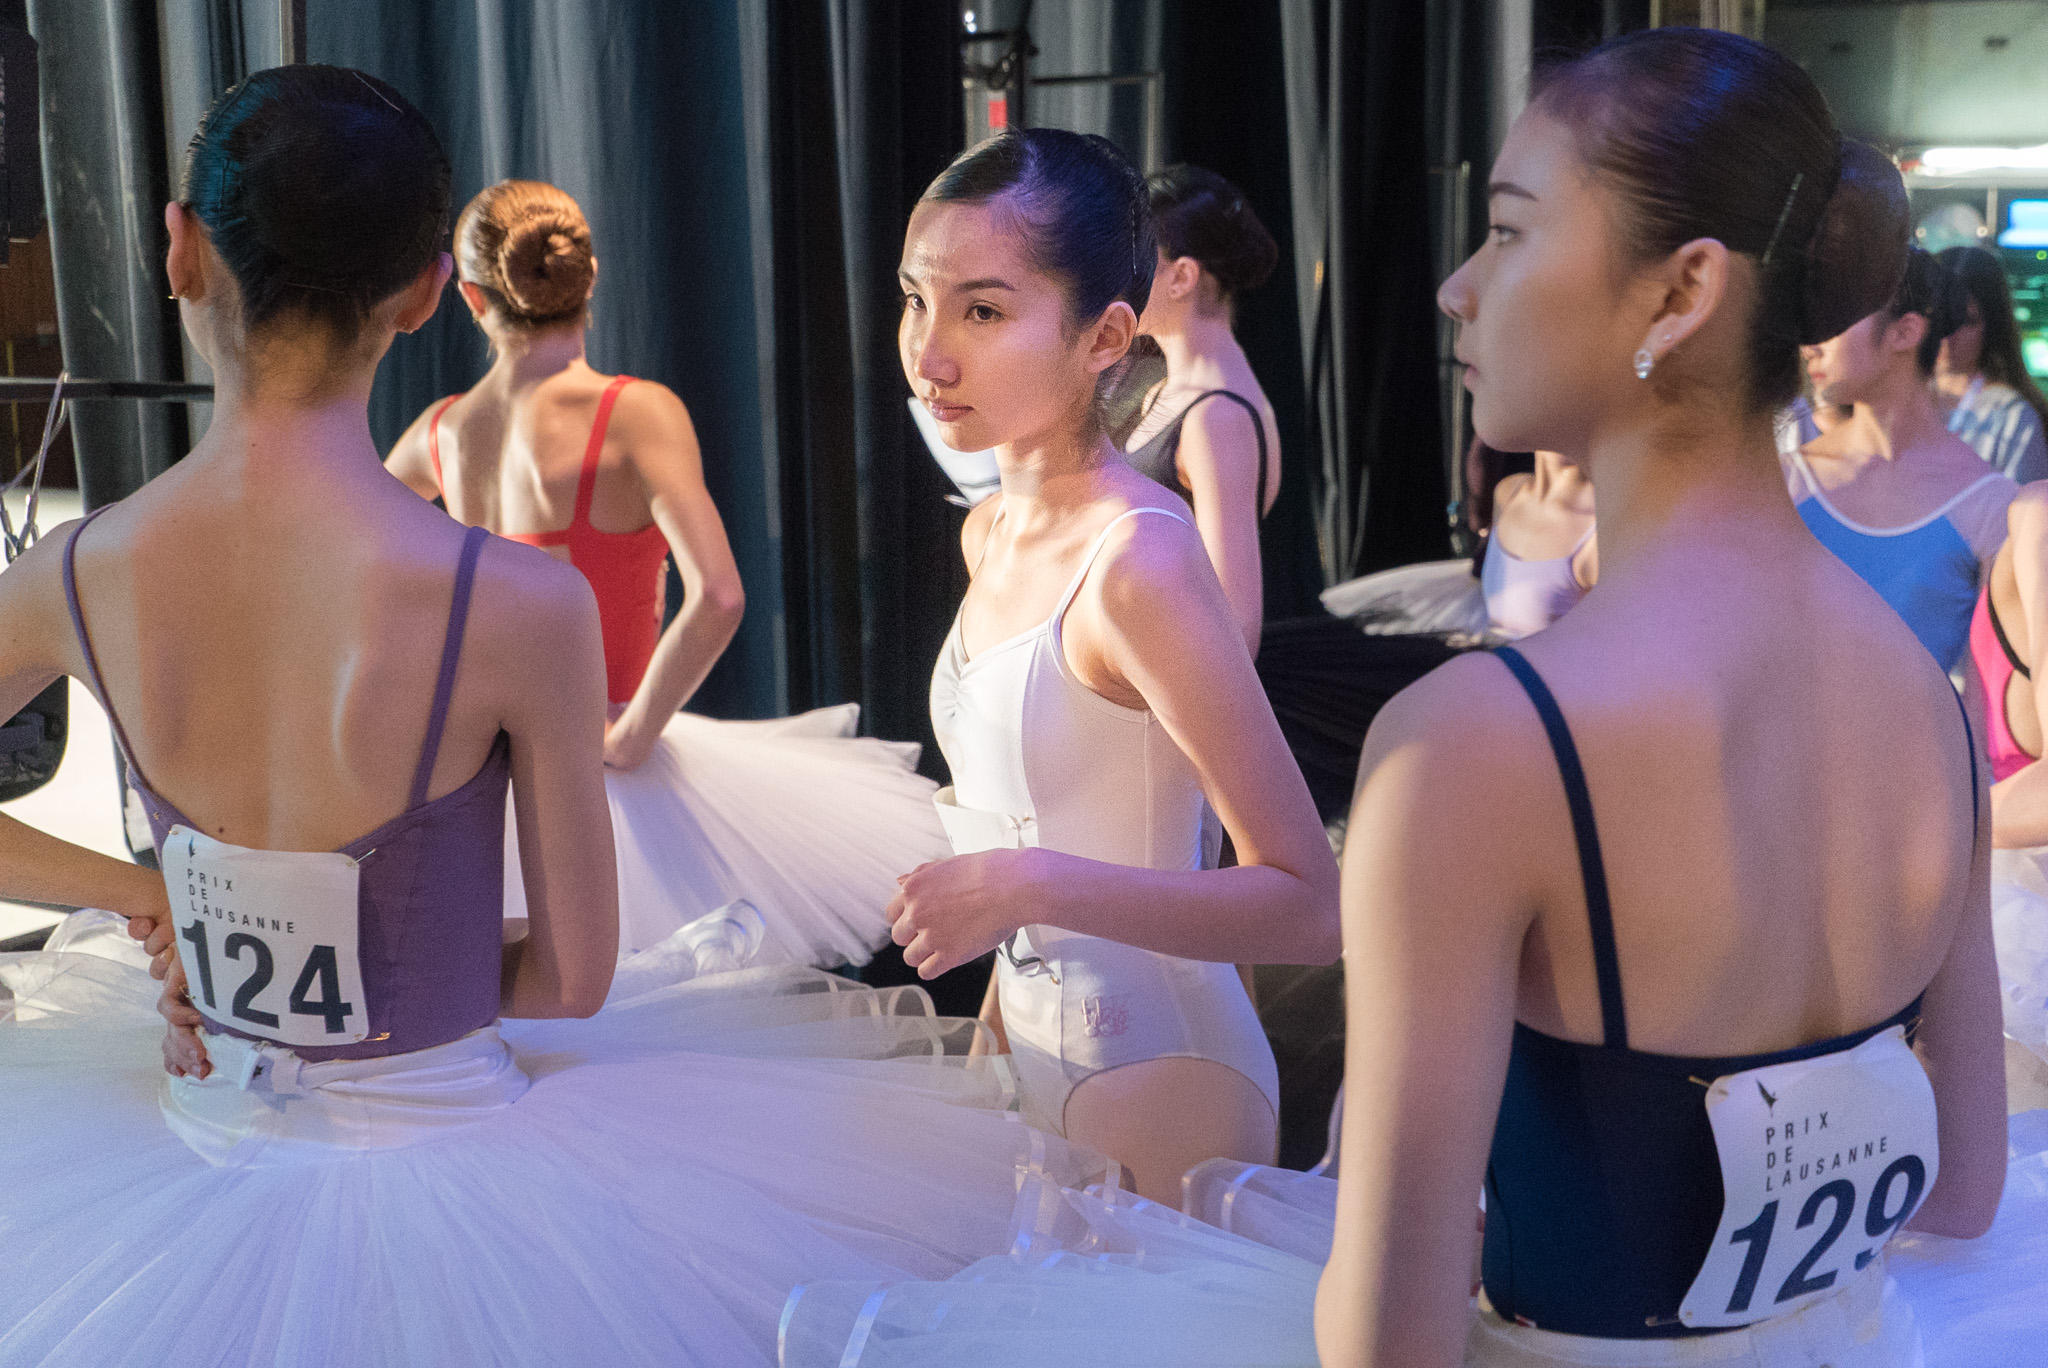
(374, 91)
(1772, 246)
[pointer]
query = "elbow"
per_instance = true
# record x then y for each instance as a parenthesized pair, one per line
(1965, 1209)
(1324, 943)
(726, 599)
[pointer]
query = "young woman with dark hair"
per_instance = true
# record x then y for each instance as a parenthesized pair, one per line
(1598, 1011)
(1548, 515)
(356, 1163)
(1981, 379)
(1206, 430)
(799, 817)
(1901, 500)
(1095, 687)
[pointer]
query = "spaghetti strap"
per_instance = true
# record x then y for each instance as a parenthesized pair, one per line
(1258, 429)
(1599, 912)
(92, 661)
(434, 444)
(451, 655)
(586, 483)
(1095, 549)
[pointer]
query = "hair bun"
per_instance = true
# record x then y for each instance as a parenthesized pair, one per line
(1858, 250)
(545, 267)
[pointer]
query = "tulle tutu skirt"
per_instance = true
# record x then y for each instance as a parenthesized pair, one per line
(1101, 1277)
(643, 1187)
(809, 823)
(1433, 598)
(2019, 924)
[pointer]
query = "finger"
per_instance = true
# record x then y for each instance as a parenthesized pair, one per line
(140, 928)
(161, 939)
(160, 967)
(904, 928)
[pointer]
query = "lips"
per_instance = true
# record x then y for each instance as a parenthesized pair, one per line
(947, 413)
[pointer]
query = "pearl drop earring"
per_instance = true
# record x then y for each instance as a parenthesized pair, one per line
(1644, 363)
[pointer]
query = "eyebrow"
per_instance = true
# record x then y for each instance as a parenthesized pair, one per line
(1508, 188)
(966, 286)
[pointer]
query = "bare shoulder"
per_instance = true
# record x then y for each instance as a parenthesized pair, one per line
(649, 405)
(1510, 488)
(974, 531)
(1148, 561)
(1217, 419)
(524, 596)
(2028, 511)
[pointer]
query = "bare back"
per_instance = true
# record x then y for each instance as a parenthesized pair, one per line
(1783, 798)
(276, 685)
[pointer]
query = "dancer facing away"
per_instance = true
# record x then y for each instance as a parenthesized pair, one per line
(1981, 379)
(1206, 431)
(1548, 514)
(800, 818)
(362, 1165)
(1905, 504)
(1638, 979)
(1094, 687)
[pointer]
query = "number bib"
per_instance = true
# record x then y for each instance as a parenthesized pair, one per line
(268, 938)
(1822, 1161)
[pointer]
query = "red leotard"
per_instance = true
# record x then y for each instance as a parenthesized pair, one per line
(625, 569)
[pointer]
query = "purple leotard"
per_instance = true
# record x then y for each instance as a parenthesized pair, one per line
(432, 878)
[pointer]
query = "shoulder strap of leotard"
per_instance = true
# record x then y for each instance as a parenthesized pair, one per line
(1599, 912)
(586, 483)
(1258, 428)
(451, 655)
(92, 661)
(434, 443)
(2012, 657)
(1976, 796)
(1095, 549)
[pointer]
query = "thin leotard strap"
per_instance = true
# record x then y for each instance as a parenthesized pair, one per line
(1095, 549)
(2012, 657)
(451, 655)
(1970, 744)
(434, 444)
(1599, 911)
(586, 483)
(92, 661)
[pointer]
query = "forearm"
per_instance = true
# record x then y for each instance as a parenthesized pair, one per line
(37, 867)
(685, 654)
(531, 985)
(1247, 914)
(2019, 809)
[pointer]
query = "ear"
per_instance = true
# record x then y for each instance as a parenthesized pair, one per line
(1904, 333)
(185, 261)
(1183, 275)
(1112, 336)
(1694, 280)
(418, 301)
(473, 296)
(593, 280)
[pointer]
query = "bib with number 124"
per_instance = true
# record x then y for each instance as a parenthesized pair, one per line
(1822, 1161)
(268, 938)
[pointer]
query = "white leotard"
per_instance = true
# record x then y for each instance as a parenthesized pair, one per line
(1038, 758)
(1524, 596)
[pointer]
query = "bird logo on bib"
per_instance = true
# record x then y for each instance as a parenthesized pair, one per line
(268, 938)
(1823, 1160)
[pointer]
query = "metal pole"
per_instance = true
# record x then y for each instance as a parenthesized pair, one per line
(291, 31)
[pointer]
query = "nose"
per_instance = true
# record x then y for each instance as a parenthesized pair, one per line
(1454, 296)
(925, 358)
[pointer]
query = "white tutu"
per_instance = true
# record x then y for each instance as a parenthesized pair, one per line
(2019, 925)
(798, 816)
(1114, 1280)
(644, 1187)
(1434, 597)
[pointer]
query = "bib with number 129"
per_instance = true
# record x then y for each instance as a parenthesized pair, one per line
(268, 938)
(1822, 1161)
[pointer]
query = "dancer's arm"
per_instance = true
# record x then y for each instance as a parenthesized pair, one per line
(2019, 802)
(1219, 461)
(552, 705)
(1433, 930)
(37, 644)
(657, 430)
(409, 460)
(1151, 621)
(1962, 1043)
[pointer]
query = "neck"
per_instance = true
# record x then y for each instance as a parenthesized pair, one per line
(525, 359)
(1952, 384)
(1197, 339)
(1049, 474)
(1897, 420)
(1558, 480)
(1688, 483)
(266, 432)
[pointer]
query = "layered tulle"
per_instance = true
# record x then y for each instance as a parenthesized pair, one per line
(1106, 1278)
(671, 1169)
(809, 823)
(1433, 598)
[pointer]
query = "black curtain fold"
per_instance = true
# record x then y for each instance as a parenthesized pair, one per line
(1356, 88)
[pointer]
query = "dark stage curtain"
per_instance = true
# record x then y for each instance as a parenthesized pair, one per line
(1356, 74)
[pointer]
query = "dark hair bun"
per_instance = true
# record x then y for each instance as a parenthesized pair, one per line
(321, 188)
(545, 267)
(1199, 214)
(1858, 252)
